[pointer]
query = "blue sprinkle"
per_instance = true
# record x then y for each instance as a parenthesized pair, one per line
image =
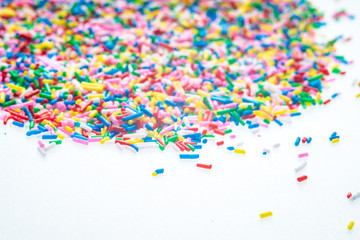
(147, 112)
(104, 121)
(148, 127)
(136, 115)
(49, 136)
(231, 148)
(19, 124)
(333, 137)
(134, 147)
(42, 129)
(189, 156)
(174, 118)
(278, 122)
(159, 171)
(297, 142)
(295, 114)
(33, 132)
(255, 125)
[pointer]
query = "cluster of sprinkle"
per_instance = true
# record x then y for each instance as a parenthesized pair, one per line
(343, 14)
(158, 73)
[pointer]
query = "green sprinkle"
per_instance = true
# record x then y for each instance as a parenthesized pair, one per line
(9, 103)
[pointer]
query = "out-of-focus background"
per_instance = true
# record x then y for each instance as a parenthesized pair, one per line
(99, 192)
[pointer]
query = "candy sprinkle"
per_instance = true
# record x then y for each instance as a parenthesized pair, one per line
(351, 225)
(158, 171)
(139, 74)
(302, 178)
(266, 214)
(199, 165)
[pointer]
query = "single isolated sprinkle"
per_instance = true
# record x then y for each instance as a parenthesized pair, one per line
(239, 151)
(266, 214)
(300, 167)
(302, 178)
(303, 155)
(142, 75)
(199, 165)
(351, 225)
(349, 195)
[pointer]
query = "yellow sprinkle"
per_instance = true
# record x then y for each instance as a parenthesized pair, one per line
(104, 140)
(7, 12)
(335, 140)
(48, 81)
(266, 214)
(318, 96)
(289, 63)
(240, 151)
(200, 104)
(351, 225)
(2, 97)
(93, 113)
(69, 129)
(358, 95)
(153, 120)
(200, 115)
(286, 99)
(154, 174)
(190, 99)
(60, 117)
(136, 140)
(17, 88)
(92, 86)
(78, 130)
(263, 115)
(60, 136)
(202, 93)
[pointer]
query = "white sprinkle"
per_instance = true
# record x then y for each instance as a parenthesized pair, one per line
(300, 167)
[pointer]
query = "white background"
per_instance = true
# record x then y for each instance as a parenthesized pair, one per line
(99, 192)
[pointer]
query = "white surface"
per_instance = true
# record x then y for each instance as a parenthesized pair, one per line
(99, 192)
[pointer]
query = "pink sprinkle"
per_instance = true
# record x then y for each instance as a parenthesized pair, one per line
(302, 155)
(232, 136)
(41, 144)
(96, 139)
(167, 129)
(80, 141)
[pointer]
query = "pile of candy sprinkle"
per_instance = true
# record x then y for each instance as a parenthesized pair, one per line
(152, 74)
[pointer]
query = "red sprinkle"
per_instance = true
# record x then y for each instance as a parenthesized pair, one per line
(219, 132)
(302, 178)
(327, 101)
(220, 143)
(204, 166)
(349, 195)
